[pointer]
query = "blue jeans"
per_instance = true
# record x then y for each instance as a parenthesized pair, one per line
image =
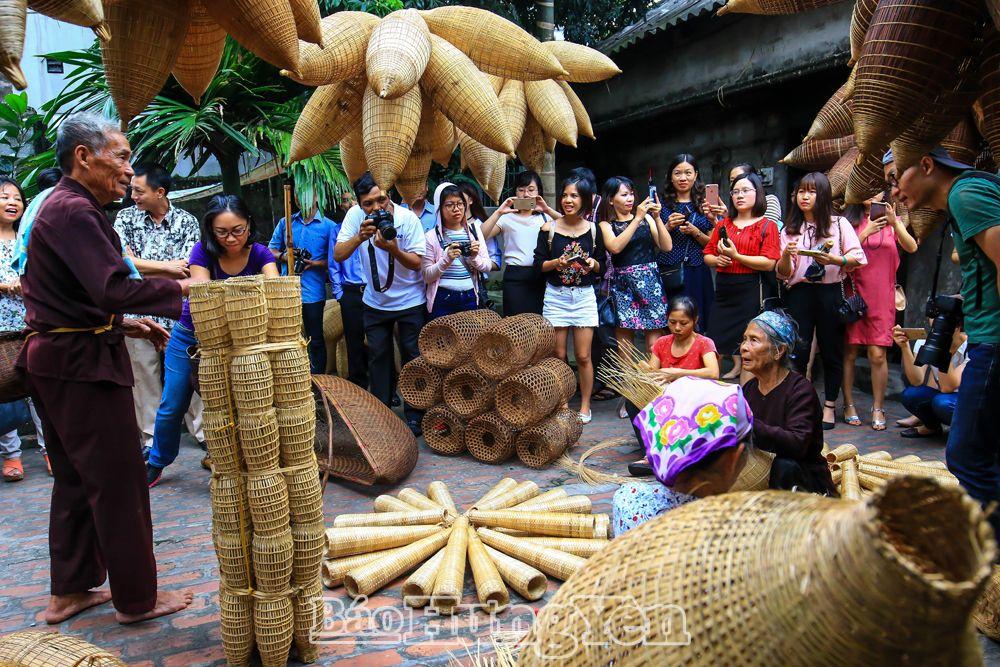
(176, 397)
(448, 302)
(973, 444)
(931, 406)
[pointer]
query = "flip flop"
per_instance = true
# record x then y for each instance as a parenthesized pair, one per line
(851, 421)
(914, 432)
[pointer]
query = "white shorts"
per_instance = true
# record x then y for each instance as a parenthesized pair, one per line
(570, 306)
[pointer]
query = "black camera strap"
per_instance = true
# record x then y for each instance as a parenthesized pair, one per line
(940, 254)
(374, 270)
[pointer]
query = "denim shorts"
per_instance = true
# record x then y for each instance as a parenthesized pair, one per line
(570, 306)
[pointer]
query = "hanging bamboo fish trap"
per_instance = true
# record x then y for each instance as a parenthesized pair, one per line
(584, 127)
(840, 173)
(515, 108)
(550, 107)
(818, 154)
(85, 13)
(389, 130)
(420, 383)
(397, 53)
(307, 25)
(342, 56)
(834, 119)
(200, 53)
(531, 149)
(861, 18)
(584, 64)
(266, 27)
(443, 140)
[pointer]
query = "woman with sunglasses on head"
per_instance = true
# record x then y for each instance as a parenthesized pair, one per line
(813, 285)
(226, 249)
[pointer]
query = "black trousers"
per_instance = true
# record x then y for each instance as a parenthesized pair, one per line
(353, 312)
(379, 325)
(604, 340)
(814, 308)
(312, 321)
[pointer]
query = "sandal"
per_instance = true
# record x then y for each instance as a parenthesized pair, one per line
(606, 394)
(914, 432)
(878, 424)
(851, 421)
(622, 411)
(586, 417)
(829, 426)
(13, 471)
(640, 468)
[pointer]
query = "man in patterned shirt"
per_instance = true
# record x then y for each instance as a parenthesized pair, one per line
(159, 237)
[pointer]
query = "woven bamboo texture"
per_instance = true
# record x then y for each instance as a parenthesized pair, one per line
(236, 621)
(334, 570)
(252, 382)
(419, 586)
(528, 396)
(987, 110)
(444, 431)
(368, 578)
(309, 541)
(584, 64)
(490, 589)
(307, 25)
(85, 13)
(866, 564)
(420, 384)
(342, 57)
(578, 546)
(352, 155)
(563, 374)
(552, 494)
(13, 386)
(372, 444)
(220, 437)
(467, 392)
(818, 154)
(529, 582)
(412, 181)
(923, 220)
(531, 149)
(51, 649)
(911, 52)
(389, 128)
(443, 140)
(861, 18)
(867, 177)
(520, 493)
(259, 442)
(834, 119)
(986, 615)
(428, 517)
(213, 380)
(200, 53)
(584, 127)
(266, 27)
(948, 110)
(450, 581)
(284, 308)
(230, 507)
(496, 45)
(552, 562)
(840, 173)
(555, 524)
(543, 443)
(292, 381)
(246, 310)
(272, 561)
(273, 624)
(268, 496)
(773, 6)
(418, 500)
(208, 312)
(439, 493)
(490, 439)
(484, 163)
(386, 503)
(305, 495)
(550, 107)
(234, 560)
(504, 486)
(349, 541)
(507, 346)
(447, 341)
(297, 434)
(963, 141)
(515, 108)
(572, 423)
(13, 15)
(307, 618)
(397, 53)
(137, 62)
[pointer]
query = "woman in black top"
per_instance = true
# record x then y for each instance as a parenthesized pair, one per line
(569, 253)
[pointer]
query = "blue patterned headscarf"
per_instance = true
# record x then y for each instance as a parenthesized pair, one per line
(777, 326)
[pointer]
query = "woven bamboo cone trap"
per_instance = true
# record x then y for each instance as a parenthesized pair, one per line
(412, 181)
(384, 503)
(397, 53)
(867, 177)
(368, 578)
(923, 220)
(584, 64)
(850, 487)
(886, 456)
(389, 129)
(818, 153)
(490, 589)
(137, 62)
(552, 494)
(902, 568)
(515, 108)
(200, 53)
(213, 380)
(349, 541)
(870, 482)
(85, 13)
(490, 439)
(419, 586)
(444, 431)
(550, 107)
(234, 560)
(528, 396)
(246, 310)
(448, 340)
(297, 434)
(259, 440)
(450, 581)
(484, 163)
(352, 155)
(841, 453)
(292, 381)
(523, 491)
(230, 507)
(443, 139)
(334, 570)
(305, 495)
(252, 382)
(949, 112)
(963, 141)
(911, 52)
(439, 493)
(419, 500)
(420, 384)
(571, 504)
(497, 46)
(834, 119)
(307, 25)
(772, 6)
(273, 624)
(309, 542)
(268, 496)
(537, 522)
(861, 18)
(892, 468)
(986, 615)
(307, 619)
(840, 173)
(272, 561)
(578, 546)
(284, 308)
(529, 582)
(266, 27)
(236, 621)
(987, 109)
(584, 127)
(466, 392)
(552, 562)
(431, 517)
(496, 82)
(51, 649)
(543, 443)
(342, 56)
(502, 487)
(208, 312)
(531, 149)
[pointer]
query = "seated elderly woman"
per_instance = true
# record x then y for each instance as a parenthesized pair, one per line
(787, 416)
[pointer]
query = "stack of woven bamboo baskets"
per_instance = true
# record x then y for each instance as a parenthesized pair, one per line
(522, 536)
(491, 386)
(859, 475)
(267, 504)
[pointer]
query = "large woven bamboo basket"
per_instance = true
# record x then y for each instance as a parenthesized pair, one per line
(284, 308)
(266, 27)
(818, 154)
(252, 382)
(773, 6)
(297, 434)
(236, 621)
(550, 107)
(389, 129)
(51, 649)
(352, 155)
(584, 127)
(507, 346)
(444, 431)
(207, 302)
(358, 438)
(447, 341)
(85, 13)
(220, 438)
(867, 178)
(412, 181)
(453, 83)
(490, 439)
(273, 626)
(147, 41)
(268, 497)
(840, 173)
(305, 495)
(543, 443)
(200, 53)
(307, 25)
(397, 53)
(342, 56)
(467, 392)
(528, 396)
(290, 370)
(835, 119)
(420, 383)
(213, 380)
(584, 64)
(902, 569)
(443, 139)
(272, 561)
(515, 108)
(988, 116)
(307, 612)
(246, 310)
(309, 540)
(230, 507)
(496, 45)
(861, 18)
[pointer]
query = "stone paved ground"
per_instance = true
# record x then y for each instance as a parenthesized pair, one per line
(182, 524)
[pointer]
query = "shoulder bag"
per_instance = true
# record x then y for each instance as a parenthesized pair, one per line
(851, 308)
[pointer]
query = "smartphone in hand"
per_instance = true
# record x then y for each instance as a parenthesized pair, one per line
(877, 210)
(723, 234)
(712, 194)
(523, 203)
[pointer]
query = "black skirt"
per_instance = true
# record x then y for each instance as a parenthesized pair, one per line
(523, 290)
(737, 301)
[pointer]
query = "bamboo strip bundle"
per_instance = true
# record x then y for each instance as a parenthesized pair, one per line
(529, 582)
(307, 25)
(397, 53)
(207, 302)
(578, 546)
(368, 578)
(490, 589)
(818, 153)
(419, 586)
(567, 504)
(552, 562)
(236, 621)
(273, 624)
(451, 578)
(431, 517)
(349, 541)
(438, 492)
(418, 500)
(550, 107)
(850, 487)
(540, 523)
(309, 544)
(552, 494)
(520, 493)
(389, 129)
(583, 64)
(584, 127)
(842, 453)
(200, 53)
(834, 119)
(307, 615)
(384, 503)
(272, 561)
(84, 13)
(342, 56)
(266, 27)
(334, 570)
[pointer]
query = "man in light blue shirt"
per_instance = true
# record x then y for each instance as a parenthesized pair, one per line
(394, 294)
(424, 210)
(348, 282)
(310, 234)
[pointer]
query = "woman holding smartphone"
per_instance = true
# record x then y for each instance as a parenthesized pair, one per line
(568, 253)
(882, 234)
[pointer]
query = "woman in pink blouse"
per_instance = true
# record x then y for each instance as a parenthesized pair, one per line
(812, 289)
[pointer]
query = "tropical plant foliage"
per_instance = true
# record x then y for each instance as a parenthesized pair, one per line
(24, 147)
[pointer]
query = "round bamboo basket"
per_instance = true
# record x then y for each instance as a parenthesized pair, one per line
(419, 586)
(51, 649)
(259, 439)
(508, 345)
(220, 437)
(490, 589)
(818, 154)
(349, 541)
(305, 496)
(246, 310)
(543, 443)
(307, 620)
(334, 570)
(584, 127)
(515, 108)
(266, 27)
(861, 18)
(444, 431)
(834, 119)
(213, 380)
(297, 434)
(986, 615)
(490, 439)
(284, 308)
(439, 493)
(137, 62)
(389, 128)
(578, 546)
(503, 487)
(450, 581)
(443, 139)
(397, 53)
(520, 493)
(352, 155)
(342, 56)
(273, 625)
(496, 45)
(552, 562)
(272, 561)
(571, 423)
(466, 392)
(201, 52)
(309, 540)
(368, 578)
(528, 396)
(207, 302)
(867, 178)
(252, 382)
(550, 107)
(412, 182)
(447, 341)
(234, 560)
(531, 149)
(292, 380)
(268, 496)
(230, 507)
(584, 64)
(418, 500)
(384, 503)
(840, 173)
(420, 384)
(866, 563)
(529, 582)
(84, 13)
(431, 517)
(236, 626)
(306, 14)
(540, 522)
(552, 494)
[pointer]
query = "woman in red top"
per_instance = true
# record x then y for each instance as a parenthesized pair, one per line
(743, 248)
(683, 352)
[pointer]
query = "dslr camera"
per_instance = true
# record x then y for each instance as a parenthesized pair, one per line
(384, 223)
(946, 313)
(300, 255)
(465, 247)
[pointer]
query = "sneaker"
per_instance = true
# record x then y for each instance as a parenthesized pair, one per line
(48, 464)
(414, 426)
(153, 475)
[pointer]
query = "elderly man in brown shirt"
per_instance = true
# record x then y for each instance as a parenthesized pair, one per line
(76, 288)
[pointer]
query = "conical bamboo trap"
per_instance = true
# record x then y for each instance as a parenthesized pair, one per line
(365, 554)
(860, 475)
(267, 501)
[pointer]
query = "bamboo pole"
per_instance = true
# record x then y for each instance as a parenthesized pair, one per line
(289, 243)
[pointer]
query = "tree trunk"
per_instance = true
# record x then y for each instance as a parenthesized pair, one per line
(544, 27)
(229, 163)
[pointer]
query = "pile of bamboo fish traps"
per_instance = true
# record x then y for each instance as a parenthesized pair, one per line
(859, 475)
(267, 503)
(514, 536)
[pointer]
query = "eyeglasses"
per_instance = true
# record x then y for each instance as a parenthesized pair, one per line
(742, 191)
(892, 181)
(235, 232)
(453, 205)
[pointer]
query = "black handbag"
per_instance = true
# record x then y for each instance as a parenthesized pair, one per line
(851, 308)
(672, 278)
(606, 314)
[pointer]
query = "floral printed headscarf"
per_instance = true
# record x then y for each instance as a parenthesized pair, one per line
(692, 418)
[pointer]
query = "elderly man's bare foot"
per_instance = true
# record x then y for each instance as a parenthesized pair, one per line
(167, 602)
(62, 607)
